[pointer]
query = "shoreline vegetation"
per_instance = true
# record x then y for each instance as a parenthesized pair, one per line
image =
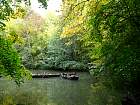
(101, 37)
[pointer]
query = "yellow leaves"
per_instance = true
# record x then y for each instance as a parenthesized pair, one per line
(15, 39)
(14, 29)
(80, 15)
(104, 1)
(19, 12)
(73, 27)
(70, 30)
(94, 5)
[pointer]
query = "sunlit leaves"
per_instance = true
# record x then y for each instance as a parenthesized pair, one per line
(74, 27)
(14, 29)
(19, 12)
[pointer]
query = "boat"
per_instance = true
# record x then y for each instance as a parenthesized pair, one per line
(44, 75)
(69, 76)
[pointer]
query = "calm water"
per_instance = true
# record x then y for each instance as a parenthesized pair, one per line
(50, 91)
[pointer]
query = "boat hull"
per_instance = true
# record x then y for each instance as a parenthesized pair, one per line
(70, 77)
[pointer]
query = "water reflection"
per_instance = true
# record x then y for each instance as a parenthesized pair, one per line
(57, 91)
(52, 91)
(29, 94)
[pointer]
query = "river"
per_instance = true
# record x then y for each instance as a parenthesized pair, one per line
(49, 91)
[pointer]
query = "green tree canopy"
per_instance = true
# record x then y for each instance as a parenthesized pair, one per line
(10, 62)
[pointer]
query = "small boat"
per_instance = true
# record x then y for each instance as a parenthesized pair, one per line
(44, 75)
(69, 76)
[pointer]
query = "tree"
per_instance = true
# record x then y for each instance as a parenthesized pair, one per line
(115, 26)
(10, 64)
(110, 31)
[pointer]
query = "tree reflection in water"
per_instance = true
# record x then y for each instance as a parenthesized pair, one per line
(56, 91)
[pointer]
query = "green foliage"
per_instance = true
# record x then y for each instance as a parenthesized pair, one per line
(62, 53)
(19, 12)
(10, 64)
(72, 65)
(28, 35)
(5, 11)
(109, 32)
(116, 27)
(44, 3)
(28, 38)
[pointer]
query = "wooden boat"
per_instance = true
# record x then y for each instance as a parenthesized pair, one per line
(44, 75)
(69, 76)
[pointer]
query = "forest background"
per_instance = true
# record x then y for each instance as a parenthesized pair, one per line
(99, 36)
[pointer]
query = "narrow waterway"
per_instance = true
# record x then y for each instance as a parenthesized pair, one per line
(49, 91)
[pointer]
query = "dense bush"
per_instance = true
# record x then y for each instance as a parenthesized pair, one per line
(110, 32)
(64, 66)
(114, 29)
(10, 64)
(72, 65)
